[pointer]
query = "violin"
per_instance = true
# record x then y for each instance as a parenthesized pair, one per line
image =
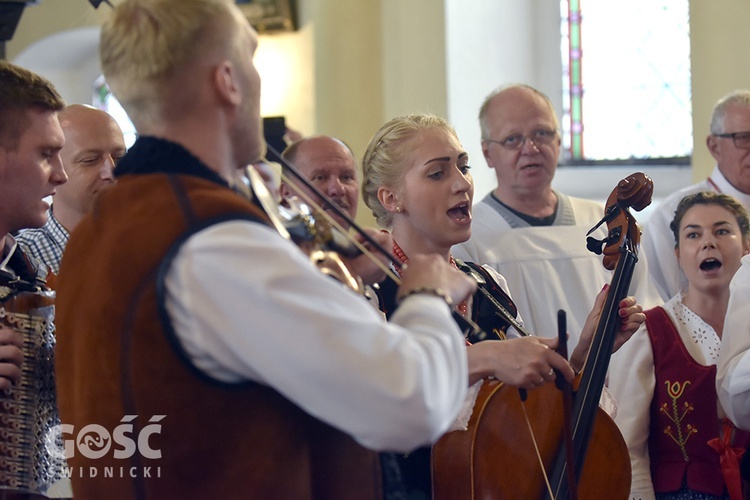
(329, 237)
(313, 234)
(325, 245)
(515, 447)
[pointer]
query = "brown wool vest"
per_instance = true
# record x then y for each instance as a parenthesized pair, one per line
(115, 358)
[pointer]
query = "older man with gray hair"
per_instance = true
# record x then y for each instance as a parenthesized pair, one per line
(729, 144)
(528, 231)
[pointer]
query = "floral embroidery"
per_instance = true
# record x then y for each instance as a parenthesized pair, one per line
(680, 433)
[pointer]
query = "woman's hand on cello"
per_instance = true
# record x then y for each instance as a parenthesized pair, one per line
(525, 362)
(632, 317)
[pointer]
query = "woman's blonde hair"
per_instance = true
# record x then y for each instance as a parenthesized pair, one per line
(384, 161)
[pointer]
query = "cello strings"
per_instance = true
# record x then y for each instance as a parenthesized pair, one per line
(536, 449)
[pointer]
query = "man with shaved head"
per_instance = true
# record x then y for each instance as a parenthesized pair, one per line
(330, 166)
(93, 144)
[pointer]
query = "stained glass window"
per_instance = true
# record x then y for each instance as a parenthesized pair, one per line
(626, 79)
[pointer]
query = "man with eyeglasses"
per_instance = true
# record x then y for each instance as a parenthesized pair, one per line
(533, 235)
(729, 144)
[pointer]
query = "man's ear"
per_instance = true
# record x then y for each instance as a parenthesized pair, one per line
(226, 84)
(712, 143)
(486, 153)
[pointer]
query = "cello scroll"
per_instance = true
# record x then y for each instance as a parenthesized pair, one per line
(634, 191)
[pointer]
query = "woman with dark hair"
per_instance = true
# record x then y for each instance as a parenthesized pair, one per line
(664, 378)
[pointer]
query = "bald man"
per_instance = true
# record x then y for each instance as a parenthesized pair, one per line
(94, 143)
(330, 165)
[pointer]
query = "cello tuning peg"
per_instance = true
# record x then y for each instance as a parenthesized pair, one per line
(594, 245)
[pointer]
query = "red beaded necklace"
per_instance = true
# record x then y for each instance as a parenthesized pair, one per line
(401, 256)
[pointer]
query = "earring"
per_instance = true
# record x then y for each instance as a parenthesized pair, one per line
(398, 209)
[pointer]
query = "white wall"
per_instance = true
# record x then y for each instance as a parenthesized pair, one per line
(719, 38)
(69, 59)
(414, 64)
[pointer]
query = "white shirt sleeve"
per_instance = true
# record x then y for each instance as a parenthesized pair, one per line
(631, 382)
(733, 367)
(248, 305)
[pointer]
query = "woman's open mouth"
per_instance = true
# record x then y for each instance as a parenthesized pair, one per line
(460, 212)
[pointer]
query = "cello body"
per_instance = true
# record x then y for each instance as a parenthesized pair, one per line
(531, 447)
(488, 462)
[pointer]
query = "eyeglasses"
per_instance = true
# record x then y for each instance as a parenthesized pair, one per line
(541, 137)
(740, 139)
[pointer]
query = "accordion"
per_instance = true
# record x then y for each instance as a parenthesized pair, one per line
(31, 456)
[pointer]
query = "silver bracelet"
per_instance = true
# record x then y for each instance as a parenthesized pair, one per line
(435, 292)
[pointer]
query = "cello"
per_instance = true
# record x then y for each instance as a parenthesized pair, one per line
(511, 431)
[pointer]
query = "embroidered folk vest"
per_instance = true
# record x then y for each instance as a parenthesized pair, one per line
(120, 366)
(683, 415)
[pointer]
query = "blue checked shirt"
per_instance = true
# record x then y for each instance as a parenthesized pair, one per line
(45, 244)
